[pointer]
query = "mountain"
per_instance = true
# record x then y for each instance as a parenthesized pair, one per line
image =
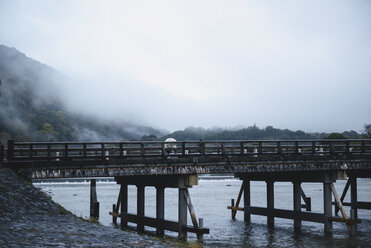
(251, 133)
(31, 108)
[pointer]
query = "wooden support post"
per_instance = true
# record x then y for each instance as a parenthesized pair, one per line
(353, 196)
(353, 227)
(232, 204)
(160, 208)
(297, 205)
(270, 202)
(342, 196)
(65, 151)
(339, 204)
(234, 212)
(10, 151)
(115, 207)
(201, 226)
(123, 199)
(192, 212)
(182, 213)
(327, 206)
(114, 218)
(140, 206)
(94, 204)
(246, 200)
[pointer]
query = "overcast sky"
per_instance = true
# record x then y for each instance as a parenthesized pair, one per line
(171, 64)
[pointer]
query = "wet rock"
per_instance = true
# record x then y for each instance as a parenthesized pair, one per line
(29, 218)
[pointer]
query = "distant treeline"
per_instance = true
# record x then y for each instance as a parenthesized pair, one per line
(255, 133)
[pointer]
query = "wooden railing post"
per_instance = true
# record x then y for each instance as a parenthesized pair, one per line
(313, 147)
(279, 149)
(121, 151)
(223, 149)
(347, 150)
(10, 154)
(31, 151)
(296, 147)
(363, 147)
(84, 153)
(49, 153)
(103, 151)
(331, 147)
(260, 148)
(183, 148)
(65, 151)
(142, 149)
(2, 153)
(202, 148)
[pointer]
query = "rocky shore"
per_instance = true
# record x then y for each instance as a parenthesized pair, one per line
(29, 218)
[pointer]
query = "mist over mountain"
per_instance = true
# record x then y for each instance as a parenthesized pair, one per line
(32, 107)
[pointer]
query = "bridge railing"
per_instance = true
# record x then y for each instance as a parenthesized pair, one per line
(59, 151)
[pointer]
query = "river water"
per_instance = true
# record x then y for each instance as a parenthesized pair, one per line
(210, 200)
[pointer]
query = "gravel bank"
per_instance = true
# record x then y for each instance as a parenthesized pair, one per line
(29, 218)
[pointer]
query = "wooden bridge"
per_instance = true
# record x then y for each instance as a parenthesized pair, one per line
(178, 164)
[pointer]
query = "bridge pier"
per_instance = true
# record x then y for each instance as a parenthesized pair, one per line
(140, 207)
(297, 204)
(297, 178)
(94, 204)
(246, 200)
(182, 182)
(270, 202)
(327, 206)
(160, 209)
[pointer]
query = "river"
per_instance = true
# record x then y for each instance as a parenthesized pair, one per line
(210, 200)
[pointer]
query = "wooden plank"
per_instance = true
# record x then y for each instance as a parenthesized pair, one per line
(289, 214)
(191, 210)
(347, 221)
(234, 212)
(235, 208)
(199, 232)
(340, 206)
(153, 222)
(360, 204)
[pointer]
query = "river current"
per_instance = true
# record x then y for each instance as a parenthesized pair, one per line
(210, 200)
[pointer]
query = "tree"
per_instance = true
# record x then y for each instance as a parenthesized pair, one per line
(335, 136)
(367, 132)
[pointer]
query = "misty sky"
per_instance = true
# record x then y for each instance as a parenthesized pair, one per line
(171, 64)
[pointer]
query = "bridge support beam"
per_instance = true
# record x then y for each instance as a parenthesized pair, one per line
(94, 204)
(296, 178)
(297, 204)
(270, 202)
(124, 203)
(182, 182)
(327, 206)
(160, 209)
(246, 200)
(140, 206)
(182, 213)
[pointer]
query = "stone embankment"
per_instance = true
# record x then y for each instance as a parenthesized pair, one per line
(29, 218)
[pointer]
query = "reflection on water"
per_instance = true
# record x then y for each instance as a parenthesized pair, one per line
(210, 199)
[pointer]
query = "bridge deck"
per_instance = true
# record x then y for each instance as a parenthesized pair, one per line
(195, 157)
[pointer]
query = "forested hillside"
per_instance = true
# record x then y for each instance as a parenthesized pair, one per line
(32, 110)
(252, 133)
